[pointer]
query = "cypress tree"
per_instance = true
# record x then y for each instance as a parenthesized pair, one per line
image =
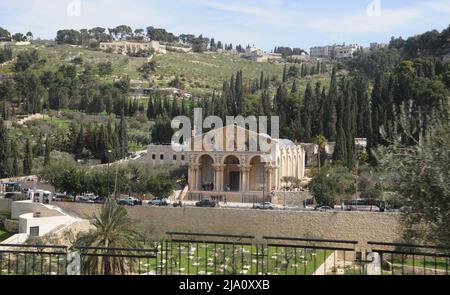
(340, 148)
(129, 109)
(150, 109)
(348, 124)
(3, 150)
(166, 105)
(308, 113)
(239, 94)
(330, 115)
(28, 160)
(15, 164)
(294, 88)
(377, 111)
(5, 113)
(183, 111)
(79, 142)
(261, 81)
(110, 134)
(365, 118)
(38, 148)
(285, 73)
(101, 144)
(317, 122)
(175, 108)
(123, 137)
(47, 152)
(265, 102)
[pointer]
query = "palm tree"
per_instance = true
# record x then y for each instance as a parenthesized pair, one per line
(114, 233)
(321, 142)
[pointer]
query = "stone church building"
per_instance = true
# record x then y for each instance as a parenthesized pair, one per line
(242, 174)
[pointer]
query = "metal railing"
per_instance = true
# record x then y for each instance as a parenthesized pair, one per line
(217, 254)
(408, 259)
(19, 259)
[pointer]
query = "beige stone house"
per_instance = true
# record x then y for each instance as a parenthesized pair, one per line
(125, 47)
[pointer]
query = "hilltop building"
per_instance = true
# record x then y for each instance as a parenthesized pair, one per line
(259, 55)
(321, 52)
(376, 45)
(334, 51)
(125, 47)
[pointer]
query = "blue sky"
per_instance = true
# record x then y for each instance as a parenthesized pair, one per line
(264, 23)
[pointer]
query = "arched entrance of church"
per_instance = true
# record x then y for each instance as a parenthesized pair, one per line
(232, 174)
(256, 174)
(206, 173)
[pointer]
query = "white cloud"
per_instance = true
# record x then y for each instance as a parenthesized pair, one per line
(361, 23)
(438, 6)
(232, 7)
(269, 12)
(45, 16)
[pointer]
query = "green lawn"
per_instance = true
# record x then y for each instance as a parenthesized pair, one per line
(198, 258)
(428, 262)
(4, 235)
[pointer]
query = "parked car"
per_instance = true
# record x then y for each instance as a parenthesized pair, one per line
(159, 202)
(62, 197)
(125, 202)
(84, 199)
(99, 200)
(323, 208)
(264, 206)
(134, 200)
(206, 203)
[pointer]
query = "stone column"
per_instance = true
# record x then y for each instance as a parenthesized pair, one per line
(241, 178)
(247, 173)
(268, 170)
(277, 177)
(221, 177)
(244, 177)
(218, 177)
(194, 183)
(199, 178)
(191, 178)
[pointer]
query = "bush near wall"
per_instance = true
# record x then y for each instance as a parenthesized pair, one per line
(11, 225)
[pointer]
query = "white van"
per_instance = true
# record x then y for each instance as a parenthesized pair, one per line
(40, 196)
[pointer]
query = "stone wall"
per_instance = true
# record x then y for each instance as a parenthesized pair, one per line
(359, 226)
(22, 207)
(67, 235)
(11, 225)
(291, 199)
(5, 205)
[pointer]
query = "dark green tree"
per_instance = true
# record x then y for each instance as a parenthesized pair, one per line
(4, 156)
(330, 115)
(48, 150)
(28, 159)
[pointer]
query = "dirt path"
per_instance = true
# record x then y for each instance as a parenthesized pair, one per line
(31, 118)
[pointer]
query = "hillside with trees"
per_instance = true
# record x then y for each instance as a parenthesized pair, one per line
(397, 97)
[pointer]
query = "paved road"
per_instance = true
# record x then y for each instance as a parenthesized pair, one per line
(245, 206)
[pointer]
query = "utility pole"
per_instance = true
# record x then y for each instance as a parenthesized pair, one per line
(264, 185)
(109, 160)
